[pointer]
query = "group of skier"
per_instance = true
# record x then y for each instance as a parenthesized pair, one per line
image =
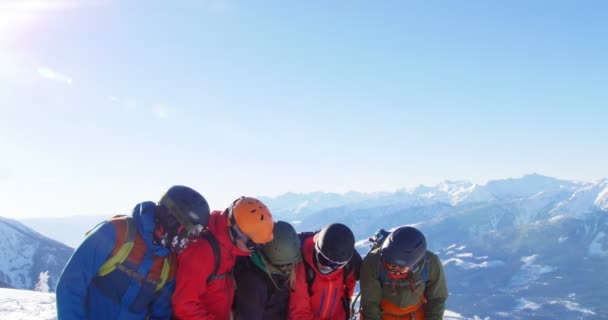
(177, 260)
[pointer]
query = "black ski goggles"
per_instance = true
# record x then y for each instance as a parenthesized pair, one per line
(192, 230)
(326, 262)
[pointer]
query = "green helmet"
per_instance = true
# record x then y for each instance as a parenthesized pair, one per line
(285, 245)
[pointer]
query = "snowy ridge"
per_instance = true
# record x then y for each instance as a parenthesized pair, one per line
(25, 254)
(583, 201)
(602, 200)
(534, 191)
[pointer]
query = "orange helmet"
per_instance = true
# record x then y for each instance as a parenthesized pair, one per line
(252, 218)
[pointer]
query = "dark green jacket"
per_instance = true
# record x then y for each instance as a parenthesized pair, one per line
(399, 292)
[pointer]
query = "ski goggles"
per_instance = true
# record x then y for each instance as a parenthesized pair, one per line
(396, 269)
(326, 262)
(280, 267)
(400, 270)
(193, 230)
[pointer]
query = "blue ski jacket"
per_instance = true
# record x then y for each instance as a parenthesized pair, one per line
(82, 294)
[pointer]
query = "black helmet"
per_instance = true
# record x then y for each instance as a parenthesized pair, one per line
(336, 242)
(180, 207)
(404, 247)
(186, 205)
(285, 245)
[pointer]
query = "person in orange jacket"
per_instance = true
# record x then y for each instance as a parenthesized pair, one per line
(326, 280)
(205, 286)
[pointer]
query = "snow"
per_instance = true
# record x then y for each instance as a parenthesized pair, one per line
(301, 207)
(597, 247)
(451, 315)
(471, 265)
(465, 255)
(572, 306)
(529, 259)
(523, 303)
(529, 273)
(602, 200)
(25, 305)
(584, 200)
(16, 252)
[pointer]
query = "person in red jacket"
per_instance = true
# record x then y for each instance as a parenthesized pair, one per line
(323, 289)
(203, 290)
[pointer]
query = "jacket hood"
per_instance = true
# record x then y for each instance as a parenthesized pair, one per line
(143, 215)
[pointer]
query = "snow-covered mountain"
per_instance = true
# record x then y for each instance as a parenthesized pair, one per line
(531, 190)
(26, 253)
(529, 248)
(590, 198)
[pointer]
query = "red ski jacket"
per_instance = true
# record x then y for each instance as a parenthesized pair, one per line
(327, 291)
(194, 298)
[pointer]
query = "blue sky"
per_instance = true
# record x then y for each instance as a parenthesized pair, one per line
(106, 103)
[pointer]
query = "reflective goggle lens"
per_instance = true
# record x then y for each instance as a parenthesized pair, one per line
(324, 261)
(393, 268)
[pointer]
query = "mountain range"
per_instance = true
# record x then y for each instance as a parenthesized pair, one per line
(534, 247)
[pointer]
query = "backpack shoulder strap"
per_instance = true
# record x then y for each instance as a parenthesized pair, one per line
(215, 246)
(424, 276)
(165, 272)
(310, 277)
(125, 240)
(310, 273)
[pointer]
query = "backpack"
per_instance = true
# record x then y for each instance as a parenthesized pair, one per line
(376, 242)
(352, 265)
(217, 256)
(126, 233)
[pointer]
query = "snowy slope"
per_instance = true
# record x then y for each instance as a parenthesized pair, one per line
(584, 200)
(26, 253)
(32, 305)
(25, 305)
(602, 200)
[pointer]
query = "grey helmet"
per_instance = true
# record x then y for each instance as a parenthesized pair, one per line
(285, 245)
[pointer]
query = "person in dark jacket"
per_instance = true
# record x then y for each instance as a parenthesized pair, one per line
(265, 279)
(203, 292)
(402, 280)
(125, 267)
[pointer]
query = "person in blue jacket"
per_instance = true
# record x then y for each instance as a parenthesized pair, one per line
(125, 267)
